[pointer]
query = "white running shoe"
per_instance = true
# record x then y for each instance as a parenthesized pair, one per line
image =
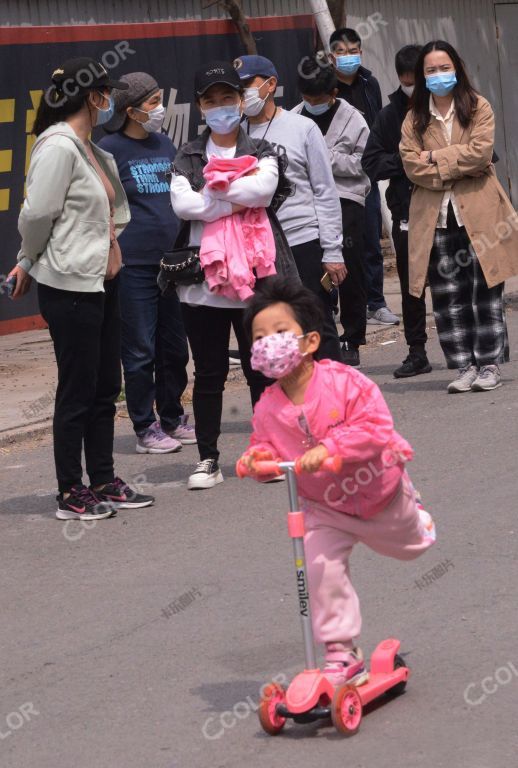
(382, 316)
(488, 378)
(465, 378)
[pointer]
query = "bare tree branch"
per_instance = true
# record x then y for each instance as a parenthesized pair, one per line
(235, 11)
(338, 10)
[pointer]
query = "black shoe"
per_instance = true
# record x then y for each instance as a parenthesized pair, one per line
(121, 496)
(350, 355)
(412, 366)
(83, 504)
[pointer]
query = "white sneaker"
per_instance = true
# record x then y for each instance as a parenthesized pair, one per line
(465, 378)
(206, 475)
(488, 378)
(382, 316)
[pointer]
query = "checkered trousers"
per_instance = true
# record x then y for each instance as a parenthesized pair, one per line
(469, 316)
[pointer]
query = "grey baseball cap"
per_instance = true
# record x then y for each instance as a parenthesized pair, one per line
(140, 87)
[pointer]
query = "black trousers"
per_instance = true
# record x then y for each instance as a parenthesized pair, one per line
(353, 290)
(208, 331)
(85, 329)
(414, 309)
(308, 258)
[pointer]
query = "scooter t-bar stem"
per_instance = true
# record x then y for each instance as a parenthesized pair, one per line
(299, 555)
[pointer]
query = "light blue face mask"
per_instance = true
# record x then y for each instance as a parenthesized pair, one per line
(105, 115)
(316, 109)
(223, 119)
(441, 83)
(348, 65)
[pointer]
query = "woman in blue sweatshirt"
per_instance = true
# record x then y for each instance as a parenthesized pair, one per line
(154, 345)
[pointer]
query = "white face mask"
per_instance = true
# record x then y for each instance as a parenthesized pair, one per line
(252, 102)
(155, 118)
(407, 89)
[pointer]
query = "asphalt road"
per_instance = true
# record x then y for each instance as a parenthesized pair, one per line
(143, 641)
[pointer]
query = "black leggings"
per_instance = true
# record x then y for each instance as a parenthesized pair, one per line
(85, 329)
(208, 331)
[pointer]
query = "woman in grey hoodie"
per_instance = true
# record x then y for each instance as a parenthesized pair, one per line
(345, 134)
(74, 209)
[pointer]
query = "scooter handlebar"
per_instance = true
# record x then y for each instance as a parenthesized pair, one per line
(275, 468)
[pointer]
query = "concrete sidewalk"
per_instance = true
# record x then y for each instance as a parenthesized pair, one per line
(28, 368)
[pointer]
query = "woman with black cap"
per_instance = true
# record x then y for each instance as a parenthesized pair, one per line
(74, 209)
(154, 345)
(209, 316)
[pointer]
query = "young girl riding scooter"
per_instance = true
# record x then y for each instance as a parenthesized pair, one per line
(317, 410)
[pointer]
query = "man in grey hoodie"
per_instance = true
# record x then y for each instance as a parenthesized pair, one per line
(311, 218)
(345, 132)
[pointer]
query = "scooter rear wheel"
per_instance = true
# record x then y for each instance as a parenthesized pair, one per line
(273, 695)
(399, 688)
(346, 710)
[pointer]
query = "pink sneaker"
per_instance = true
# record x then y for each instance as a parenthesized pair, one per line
(184, 432)
(344, 666)
(155, 440)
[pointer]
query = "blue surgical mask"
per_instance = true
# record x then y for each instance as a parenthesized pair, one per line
(223, 119)
(316, 109)
(348, 65)
(441, 83)
(104, 115)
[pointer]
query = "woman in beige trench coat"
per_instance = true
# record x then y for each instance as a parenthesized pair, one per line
(463, 231)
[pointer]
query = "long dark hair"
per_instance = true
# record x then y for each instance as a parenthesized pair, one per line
(55, 106)
(464, 95)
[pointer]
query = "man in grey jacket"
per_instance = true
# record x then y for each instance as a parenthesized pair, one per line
(311, 218)
(345, 132)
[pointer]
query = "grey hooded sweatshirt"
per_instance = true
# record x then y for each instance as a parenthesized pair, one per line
(345, 141)
(65, 219)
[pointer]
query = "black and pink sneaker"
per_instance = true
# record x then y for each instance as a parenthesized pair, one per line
(122, 496)
(83, 504)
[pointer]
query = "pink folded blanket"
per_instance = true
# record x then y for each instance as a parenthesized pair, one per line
(236, 249)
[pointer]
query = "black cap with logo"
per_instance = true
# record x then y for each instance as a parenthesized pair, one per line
(83, 74)
(216, 73)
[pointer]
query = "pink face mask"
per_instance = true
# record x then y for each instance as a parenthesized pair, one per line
(277, 355)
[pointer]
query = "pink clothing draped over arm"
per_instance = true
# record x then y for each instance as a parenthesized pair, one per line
(235, 249)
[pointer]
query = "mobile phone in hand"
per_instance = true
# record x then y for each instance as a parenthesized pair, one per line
(10, 286)
(327, 283)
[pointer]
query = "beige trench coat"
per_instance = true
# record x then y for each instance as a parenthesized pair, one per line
(490, 220)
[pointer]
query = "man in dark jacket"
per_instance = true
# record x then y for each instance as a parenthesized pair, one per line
(357, 85)
(381, 160)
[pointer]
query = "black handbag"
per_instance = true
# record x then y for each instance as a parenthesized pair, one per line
(182, 266)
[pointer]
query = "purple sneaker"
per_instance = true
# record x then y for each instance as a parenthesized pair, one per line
(155, 440)
(184, 432)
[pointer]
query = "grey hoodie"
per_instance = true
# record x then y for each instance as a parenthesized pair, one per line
(313, 210)
(65, 219)
(346, 140)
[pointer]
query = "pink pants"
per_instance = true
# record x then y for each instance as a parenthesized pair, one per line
(398, 531)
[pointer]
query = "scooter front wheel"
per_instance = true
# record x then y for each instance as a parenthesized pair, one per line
(273, 695)
(346, 710)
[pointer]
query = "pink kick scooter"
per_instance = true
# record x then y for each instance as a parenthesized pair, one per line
(310, 696)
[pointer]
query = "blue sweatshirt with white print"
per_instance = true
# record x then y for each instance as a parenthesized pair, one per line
(142, 165)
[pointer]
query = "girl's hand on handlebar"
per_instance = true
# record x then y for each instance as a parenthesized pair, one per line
(249, 458)
(312, 459)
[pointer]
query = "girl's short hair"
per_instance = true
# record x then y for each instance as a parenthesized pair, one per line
(277, 290)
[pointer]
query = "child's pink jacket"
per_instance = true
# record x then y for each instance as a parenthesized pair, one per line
(234, 246)
(346, 412)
